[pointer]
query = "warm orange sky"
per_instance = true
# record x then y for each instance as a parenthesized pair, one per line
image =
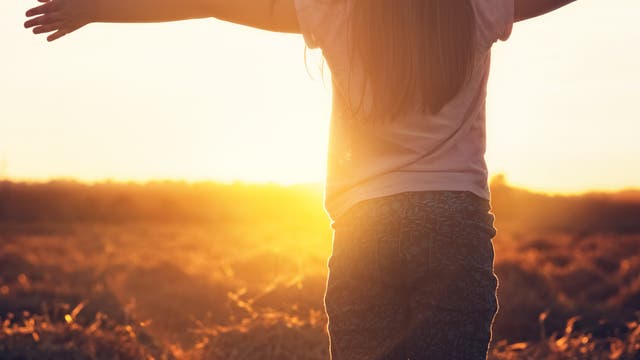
(209, 100)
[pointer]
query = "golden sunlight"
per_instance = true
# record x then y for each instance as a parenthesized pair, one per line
(206, 100)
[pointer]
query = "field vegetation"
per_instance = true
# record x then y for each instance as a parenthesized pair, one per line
(173, 270)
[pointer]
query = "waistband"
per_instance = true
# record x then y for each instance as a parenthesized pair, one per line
(437, 203)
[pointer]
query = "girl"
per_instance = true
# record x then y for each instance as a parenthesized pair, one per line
(411, 274)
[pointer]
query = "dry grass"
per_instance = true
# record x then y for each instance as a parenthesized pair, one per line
(252, 289)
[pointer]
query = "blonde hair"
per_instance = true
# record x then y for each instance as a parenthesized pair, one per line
(411, 50)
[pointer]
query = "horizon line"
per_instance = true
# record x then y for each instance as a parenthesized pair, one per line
(499, 178)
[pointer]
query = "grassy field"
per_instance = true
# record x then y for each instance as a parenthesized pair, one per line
(205, 271)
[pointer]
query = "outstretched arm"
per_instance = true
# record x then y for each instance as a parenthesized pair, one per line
(527, 9)
(65, 16)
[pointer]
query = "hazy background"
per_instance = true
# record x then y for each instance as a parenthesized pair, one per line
(192, 270)
(207, 100)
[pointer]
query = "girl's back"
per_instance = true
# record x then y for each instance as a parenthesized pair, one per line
(418, 150)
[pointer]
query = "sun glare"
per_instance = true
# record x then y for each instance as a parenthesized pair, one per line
(207, 100)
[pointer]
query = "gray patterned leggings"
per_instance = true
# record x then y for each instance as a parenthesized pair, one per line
(411, 277)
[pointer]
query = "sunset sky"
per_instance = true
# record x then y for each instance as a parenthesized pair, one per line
(207, 100)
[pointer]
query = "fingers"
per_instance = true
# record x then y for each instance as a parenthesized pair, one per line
(46, 28)
(56, 35)
(59, 32)
(52, 16)
(48, 7)
(42, 20)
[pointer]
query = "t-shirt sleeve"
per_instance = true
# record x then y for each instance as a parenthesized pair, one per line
(313, 18)
(494, 20)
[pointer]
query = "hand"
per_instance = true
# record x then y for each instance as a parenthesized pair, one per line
(59, 16)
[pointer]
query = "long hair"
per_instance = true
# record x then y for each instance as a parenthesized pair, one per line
(411, 51)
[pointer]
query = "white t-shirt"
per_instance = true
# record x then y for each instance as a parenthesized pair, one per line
(418, 152)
